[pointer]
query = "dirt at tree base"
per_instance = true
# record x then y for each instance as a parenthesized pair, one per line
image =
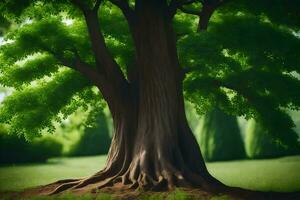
(119, 193)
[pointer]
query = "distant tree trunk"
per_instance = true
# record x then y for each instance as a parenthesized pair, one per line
(153, 146)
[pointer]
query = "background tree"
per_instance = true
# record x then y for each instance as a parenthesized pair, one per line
(15, 149)
(217, 133)
(242, 61)
(260, 144)
(220, 138)
(94, 140)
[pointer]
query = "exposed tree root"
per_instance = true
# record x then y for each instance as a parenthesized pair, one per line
(133, 179)
(166, 182)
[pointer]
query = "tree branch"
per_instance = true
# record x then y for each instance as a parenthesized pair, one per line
(114, 85)
(87, 71)
(105, 62)
(208, 8)
(207, 11)
(191, 12)
(177, 4)
(126, 10)
(77, 64)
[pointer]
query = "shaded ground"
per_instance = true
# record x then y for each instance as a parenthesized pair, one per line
(119, 194)
(178, 194)
(281, 175)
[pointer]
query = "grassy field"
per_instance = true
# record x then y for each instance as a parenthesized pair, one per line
(282, 174)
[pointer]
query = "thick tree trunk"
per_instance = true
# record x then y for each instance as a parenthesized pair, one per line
(153, 147)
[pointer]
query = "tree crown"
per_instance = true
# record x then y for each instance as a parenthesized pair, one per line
(244, 61)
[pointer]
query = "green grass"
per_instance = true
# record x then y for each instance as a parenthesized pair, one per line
(18, 177)
(280, 175)
(266, 175)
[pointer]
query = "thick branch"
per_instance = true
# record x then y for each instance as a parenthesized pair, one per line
(116, 88)
(126, 10)
(91, 74)
(105, 62)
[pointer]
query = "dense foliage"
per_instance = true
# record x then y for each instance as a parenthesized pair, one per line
(246, 63)
(4, 24)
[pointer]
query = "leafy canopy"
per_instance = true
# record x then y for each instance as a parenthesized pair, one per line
(246, 63)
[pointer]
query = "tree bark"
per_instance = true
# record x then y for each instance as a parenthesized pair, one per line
(153, 147)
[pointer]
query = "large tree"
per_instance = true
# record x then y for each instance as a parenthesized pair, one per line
(241, 56)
